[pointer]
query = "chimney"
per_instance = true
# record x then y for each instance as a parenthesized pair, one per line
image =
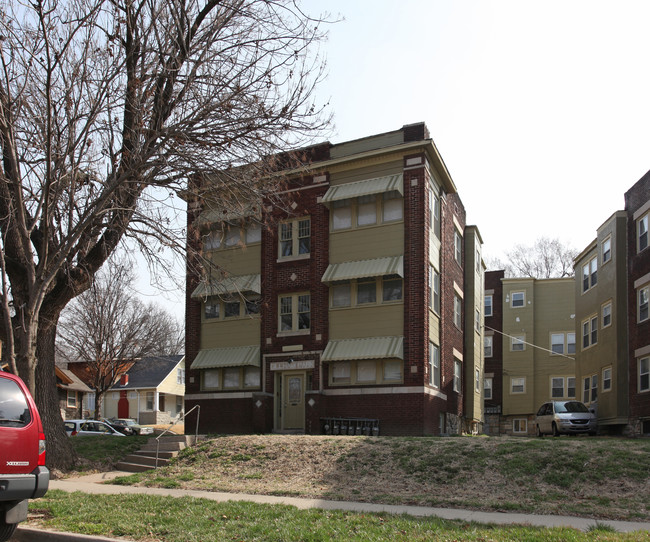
(124, 380)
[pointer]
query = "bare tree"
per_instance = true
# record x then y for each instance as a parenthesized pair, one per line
(108, 327)
(545, 258)
(106, 108)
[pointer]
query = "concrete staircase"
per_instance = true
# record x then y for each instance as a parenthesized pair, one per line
(145, 458)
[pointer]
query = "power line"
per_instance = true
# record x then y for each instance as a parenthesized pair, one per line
(529, 344)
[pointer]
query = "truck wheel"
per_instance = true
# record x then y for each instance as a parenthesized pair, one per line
(6, 529)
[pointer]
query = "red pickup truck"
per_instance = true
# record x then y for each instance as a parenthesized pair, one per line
(23, 474)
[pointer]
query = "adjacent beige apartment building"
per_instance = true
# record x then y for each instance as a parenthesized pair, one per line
(539, 345)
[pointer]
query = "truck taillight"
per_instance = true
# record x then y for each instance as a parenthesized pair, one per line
(41, 449)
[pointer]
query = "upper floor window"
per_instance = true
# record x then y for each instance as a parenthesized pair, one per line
(477, 381)
(517, 299)
(607, 379)
(367, 210)
(180, 376)
(518, 385)
(557, 343)
(458, 318)
(590, 274)
(643, 296)
(607, 314)
(434, 289)
(229, 236)
(295, 313)
(458, 247)
(487, 388)
(364, 291)
(295, 237)
(607, 250)
(570, 343)
(488, 305)
(642, 232)
(518, 343)
(487, 346)
(589, 332)
(217, 308)
(434, 213)
(477, 320)
(457, 373)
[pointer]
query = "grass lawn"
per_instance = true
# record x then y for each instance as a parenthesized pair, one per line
(148, 518)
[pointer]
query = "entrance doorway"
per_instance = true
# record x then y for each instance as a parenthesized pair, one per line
(292, 397)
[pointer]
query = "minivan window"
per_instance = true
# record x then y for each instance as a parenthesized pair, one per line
(570, 406)
(14, 410)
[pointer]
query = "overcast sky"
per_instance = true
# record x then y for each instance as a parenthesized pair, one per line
(540, 110)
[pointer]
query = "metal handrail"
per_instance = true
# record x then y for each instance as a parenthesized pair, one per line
(196, 431)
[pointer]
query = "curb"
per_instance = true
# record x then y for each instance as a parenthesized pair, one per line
(31, 534)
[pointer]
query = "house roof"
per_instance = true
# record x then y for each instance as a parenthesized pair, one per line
(149, 372)
(70, 381)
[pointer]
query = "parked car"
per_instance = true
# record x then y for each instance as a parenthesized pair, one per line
(129, 426)
(89, 427)
(23, 474)
(570, 417)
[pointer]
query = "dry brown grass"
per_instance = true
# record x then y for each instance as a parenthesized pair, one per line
(608, 478)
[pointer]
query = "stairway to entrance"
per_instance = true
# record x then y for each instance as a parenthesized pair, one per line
(145, 458)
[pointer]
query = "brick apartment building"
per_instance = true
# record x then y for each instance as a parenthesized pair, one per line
(359, 309)
(493, 352)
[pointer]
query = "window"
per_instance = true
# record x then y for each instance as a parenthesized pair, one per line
(458, 315)
(586, 385)
(518, 385)
(487, 346)
(366, 291)
(434, 213)
(590, 332)
(607, 379)
(214, 307)
(488, 386)
(642, 232)
(229, 235)
(457, 382)
(571, 386)
(557, 387)
(341, 294)
(520, 425)
(231, 378)
(458, 247)
(557, 343)
(211, 308)
(518, 299)
(149, 400)
(231, 309)
(434, 289)
(488, 305)
(477, 320)
(517, 343)
(477, 381)
(295, 313)
(392, 206)
(365, 372)
(392, 288)
(366, 210)
(180, 376)
(295, 238)
(434, 365)
(607, 314)
(570, 343)
(71, 399)
(607, 250)
(643, 296)
(590, 274)
(644, 374)
(594, 387)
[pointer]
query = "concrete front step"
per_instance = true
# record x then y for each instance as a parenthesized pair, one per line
(132, 467)
(144, 459)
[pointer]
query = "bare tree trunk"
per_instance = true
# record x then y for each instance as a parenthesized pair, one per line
(60, 453)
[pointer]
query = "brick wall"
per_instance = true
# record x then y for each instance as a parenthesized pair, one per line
(494, 364)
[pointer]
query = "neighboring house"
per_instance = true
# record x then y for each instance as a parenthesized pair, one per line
(637, 207)
(361, 307)
(493, 352)
(539, 345)
(72, 394)
(602, 326)
(151, 391)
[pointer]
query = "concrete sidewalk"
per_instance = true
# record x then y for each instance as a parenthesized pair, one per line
(93, 484)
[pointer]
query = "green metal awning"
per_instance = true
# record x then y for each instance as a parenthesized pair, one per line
(229, 285)
(368, 348)
(377, 267)
(364, 188)
(236, 356)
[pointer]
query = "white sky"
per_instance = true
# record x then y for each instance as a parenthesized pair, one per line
(540, 109)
